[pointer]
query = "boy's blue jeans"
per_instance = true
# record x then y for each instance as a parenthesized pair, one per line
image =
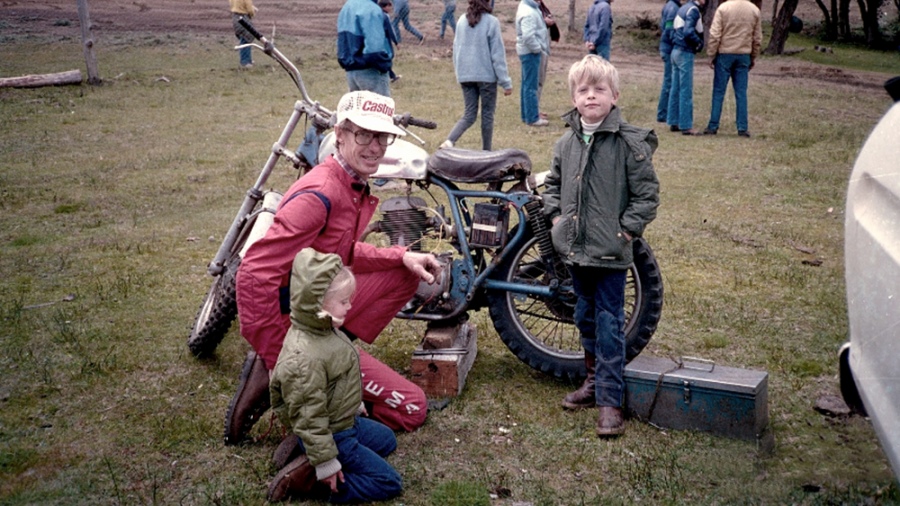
(662, 109)
(737, 68)
(528, 96)
(361, 451)
(600, 318)
(472, 92)
(681, 96)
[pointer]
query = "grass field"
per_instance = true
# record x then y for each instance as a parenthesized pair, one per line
(115, 198)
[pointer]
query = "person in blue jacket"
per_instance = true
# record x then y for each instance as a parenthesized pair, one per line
(687, 40)
(598, 28)
(667, 26)
(363, 48)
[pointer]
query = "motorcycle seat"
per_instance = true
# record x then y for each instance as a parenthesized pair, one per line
(470, 166)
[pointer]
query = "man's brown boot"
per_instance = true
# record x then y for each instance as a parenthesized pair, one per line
(585, 396)
(249, 402)
(610, 421)
(295, 481)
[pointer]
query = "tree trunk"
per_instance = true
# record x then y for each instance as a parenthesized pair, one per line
(780, 27)
(869, 11)
(844, 20)
(38, 80)
(830, 27)
(572, 28)
(87, 39)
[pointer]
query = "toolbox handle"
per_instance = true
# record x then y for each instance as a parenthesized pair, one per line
(701, 364)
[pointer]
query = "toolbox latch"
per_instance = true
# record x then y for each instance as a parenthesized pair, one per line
(687, 391)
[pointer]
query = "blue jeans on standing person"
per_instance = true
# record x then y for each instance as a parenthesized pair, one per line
(681, 96)
(472, 92)
(602, 50)
(600, 318)
(447, 18)
(663, 107)
(737, 68)
(369, 79)
(245, 52)
(403, 15)
(528, 96)
(361, 452)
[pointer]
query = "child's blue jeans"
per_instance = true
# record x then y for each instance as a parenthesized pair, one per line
(600, 317)
(361, 451)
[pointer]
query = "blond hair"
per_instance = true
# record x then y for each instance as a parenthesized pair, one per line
(593, 69)
(344, 283)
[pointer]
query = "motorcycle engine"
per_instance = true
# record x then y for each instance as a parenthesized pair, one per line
(404, 221)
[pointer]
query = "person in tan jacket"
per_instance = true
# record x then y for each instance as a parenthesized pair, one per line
(243, 9)
(734, 43)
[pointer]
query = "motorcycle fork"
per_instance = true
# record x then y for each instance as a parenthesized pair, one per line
(255, 193)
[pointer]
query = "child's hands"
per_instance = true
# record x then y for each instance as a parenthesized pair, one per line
(333, 480)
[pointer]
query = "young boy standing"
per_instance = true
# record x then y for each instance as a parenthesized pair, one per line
(316, 391)
(600, 194)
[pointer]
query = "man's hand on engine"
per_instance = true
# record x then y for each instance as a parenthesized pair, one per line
(425, 265)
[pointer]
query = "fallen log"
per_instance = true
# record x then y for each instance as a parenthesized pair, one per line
(38, 80)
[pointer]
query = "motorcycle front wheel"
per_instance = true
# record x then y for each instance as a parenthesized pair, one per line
(219, 307)
(541, 332)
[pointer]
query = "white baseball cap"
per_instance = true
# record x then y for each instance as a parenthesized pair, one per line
(369, 110)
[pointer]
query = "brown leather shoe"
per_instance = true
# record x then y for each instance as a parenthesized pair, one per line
(295, 481)
(585, 397)
(287, 451)
(610, 421)
(249, 402)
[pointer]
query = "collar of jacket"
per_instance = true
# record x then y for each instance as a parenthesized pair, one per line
(610, 122)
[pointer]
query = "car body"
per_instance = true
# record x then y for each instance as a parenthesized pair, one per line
(870, 361)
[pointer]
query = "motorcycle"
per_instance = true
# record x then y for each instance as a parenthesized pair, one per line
(494, 246)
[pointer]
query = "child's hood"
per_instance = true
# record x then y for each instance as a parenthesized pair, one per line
(311, 275)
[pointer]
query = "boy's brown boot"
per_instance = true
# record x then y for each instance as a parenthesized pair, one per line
(585, 396)
(295, 481)
(610, 421)
(288, 450)
(249, 402)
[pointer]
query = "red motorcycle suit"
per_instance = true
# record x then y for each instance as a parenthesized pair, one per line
(328, 210)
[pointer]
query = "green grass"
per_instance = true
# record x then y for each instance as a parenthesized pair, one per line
(116, 197)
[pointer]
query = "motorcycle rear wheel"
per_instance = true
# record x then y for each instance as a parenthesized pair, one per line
(541, 332)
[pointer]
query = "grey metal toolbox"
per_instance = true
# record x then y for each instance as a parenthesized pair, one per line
(699, 395)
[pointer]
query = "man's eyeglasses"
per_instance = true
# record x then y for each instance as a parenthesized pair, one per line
(364, 137)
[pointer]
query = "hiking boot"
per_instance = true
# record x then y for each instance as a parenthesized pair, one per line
(710, 131)
(743, 133)
(674, 128)
(249, 402)
(296, 480)
(585, 396)
(610, 421)
(288, 450)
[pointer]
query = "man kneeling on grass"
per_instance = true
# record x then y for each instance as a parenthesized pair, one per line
(316, 389)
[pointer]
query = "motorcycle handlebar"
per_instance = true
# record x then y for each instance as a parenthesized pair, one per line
(269, 48)
(250, 28)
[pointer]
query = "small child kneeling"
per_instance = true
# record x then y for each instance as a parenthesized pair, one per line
(316, 390)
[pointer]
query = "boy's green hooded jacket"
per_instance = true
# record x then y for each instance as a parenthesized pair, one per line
(315, 387)
(600, 187)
